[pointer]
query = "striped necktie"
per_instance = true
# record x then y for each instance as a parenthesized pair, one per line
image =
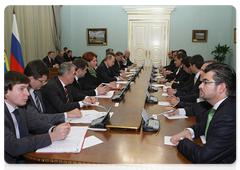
(66, 93)
(37, 101)
(210, 116)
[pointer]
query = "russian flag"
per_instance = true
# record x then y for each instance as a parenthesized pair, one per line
(16, 63)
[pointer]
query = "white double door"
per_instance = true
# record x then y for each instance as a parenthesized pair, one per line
(149, 42)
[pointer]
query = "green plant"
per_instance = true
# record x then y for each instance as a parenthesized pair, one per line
(220, 52)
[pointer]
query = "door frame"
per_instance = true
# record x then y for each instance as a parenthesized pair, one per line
(149, 13)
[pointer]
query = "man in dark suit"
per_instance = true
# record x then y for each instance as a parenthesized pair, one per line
(59, 58)
(119, 65)
(179, 74)
(219, 89)
(59, 95)
(81, 85)
(19, 125)
(69, 56)
(127, 58)
(48, 60)
(104, 69)
(37, 72)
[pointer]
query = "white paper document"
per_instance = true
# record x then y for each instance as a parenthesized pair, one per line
(175, 116)
(164, 103)
(108, 95)
(87, 116)
(91, 141)
(122, 82)
(72, 144)
(164, 94)
(167, 141)
(157, 85)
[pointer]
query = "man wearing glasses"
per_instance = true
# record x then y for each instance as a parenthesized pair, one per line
(219, 89)
(37, 72)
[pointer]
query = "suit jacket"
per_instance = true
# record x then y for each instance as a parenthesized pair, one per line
(83, 87)
(93, 81)
(105, 73)
(47, 62)
(181, 76)
(171, 66)
(221, 137)
(200, 110)
(54, 97)
(129, 62)
(59, 60)
(184, 83)
(13, 147)
(50, 118)
(67, 58)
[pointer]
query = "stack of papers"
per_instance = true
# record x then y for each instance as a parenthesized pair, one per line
(87, 116)
(164, 104)
(72, 144)
(175, 116)
(108, 95)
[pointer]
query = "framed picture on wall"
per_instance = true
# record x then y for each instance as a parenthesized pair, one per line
(199, 35)
(237, 35)
(97, 36)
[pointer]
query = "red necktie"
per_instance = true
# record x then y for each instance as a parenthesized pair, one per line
(66, 93)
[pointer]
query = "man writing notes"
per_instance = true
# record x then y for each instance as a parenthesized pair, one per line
(19, 125)
(37, 72)
(59, 95)
(219, 89)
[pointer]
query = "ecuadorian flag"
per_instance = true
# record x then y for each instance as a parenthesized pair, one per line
(16, 62)
(4, 67)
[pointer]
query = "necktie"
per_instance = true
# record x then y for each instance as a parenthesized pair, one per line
(66, 93)
(79, 85)
(178, 71)
(37, 101)
(18, 118)
(210, 115)
(195, 79)
(118, 65)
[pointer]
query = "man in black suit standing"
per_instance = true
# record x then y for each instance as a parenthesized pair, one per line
(105, 70)
(48, 60)
(59, 58)
(81, 85)
(59, 95)
(37, 72)
(19, 125)
(219, 89)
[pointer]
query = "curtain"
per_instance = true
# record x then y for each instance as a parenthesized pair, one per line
(35, 31)
(56, 26)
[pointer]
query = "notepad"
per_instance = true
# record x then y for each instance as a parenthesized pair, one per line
(108, 95)
(72, 144)
(87, 116)
(175, 116)
(164, 103)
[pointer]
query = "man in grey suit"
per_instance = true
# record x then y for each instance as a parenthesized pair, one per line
(37, 72)
(19, 125)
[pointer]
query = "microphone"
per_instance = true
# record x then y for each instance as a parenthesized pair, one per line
(172, 110)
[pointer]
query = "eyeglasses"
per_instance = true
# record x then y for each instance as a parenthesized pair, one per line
(207, 82)
(41, 81)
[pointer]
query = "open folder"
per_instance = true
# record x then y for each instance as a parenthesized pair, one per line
(72, 144)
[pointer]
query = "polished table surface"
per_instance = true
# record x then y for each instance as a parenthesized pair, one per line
(124, 145)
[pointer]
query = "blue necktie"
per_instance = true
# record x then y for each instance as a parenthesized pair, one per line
(18, 118)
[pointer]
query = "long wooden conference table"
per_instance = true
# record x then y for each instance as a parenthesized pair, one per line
(125, 142)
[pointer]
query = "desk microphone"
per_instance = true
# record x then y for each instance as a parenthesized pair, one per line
(151, 88)
(119, 97)
(150, 98)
